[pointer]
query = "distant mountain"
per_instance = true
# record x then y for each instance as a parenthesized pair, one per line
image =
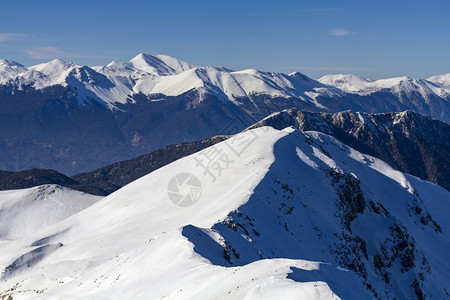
(72, 118)
(346, 82)
(266, 213)
(37, 177)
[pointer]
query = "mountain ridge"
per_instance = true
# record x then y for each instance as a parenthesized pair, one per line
(300, 214)
(160, 74)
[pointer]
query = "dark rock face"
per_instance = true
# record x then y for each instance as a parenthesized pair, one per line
(34, 177)
(408, 141)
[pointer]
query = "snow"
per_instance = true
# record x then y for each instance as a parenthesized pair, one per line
(177, 65)
(10, 69)
(161, 65)
(24, 212)
(136, 243)
(443, 79)
(162, 74)
(437, 85)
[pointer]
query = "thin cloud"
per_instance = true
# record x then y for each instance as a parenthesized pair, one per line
(320, 9)
(5, 37)
(49, 53)
(340, 32)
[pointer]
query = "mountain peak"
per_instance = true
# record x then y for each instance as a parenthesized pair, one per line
(443, 79)
(162, 65)
(9, 68)
(151, 64)
(346, 82)
(7, 62)
(54, 65)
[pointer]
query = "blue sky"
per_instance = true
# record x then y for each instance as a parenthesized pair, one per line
(374, 39)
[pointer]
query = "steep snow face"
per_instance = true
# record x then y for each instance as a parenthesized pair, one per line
(443, 79)
(265, 214)
(161, 65)
(177, 65)
(443, 85)
(9, 68)
(25, 212)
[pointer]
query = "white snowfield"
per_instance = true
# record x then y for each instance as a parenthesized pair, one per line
(162, 74)
(137, 244)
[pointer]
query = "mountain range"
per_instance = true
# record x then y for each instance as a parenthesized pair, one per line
(264, 214)
(126, 109)
(214, 183)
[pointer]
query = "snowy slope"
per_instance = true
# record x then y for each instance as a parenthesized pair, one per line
(160, 64)
(443, 83)
(10, 69)
(274, 214)
(27, 211)
(443, 79)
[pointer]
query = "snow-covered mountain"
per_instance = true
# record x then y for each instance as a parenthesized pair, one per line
(160, 74)
(399, 85)
(443, 82)
(265, 214)
(75, 118)
(147, 74)
(9, 69)
(346, 82)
